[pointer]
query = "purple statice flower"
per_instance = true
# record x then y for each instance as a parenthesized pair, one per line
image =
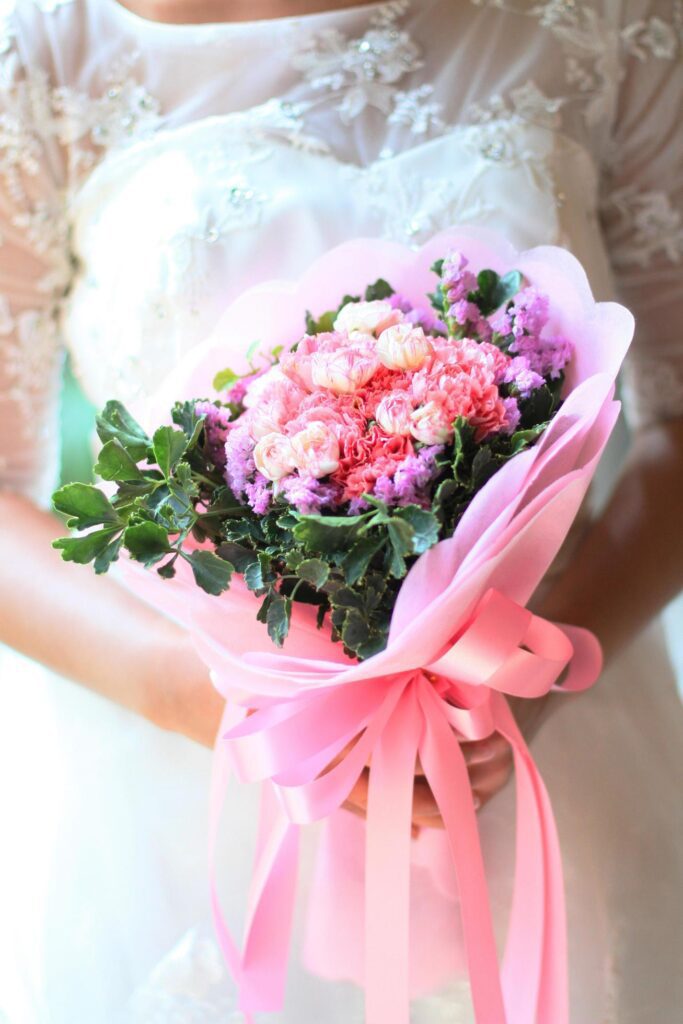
(547, 356)
(421, 316)
(358, 505)
(239, 459)
(456, 280)
(216, 426)
(520, 373)
(512, 415)
(307, 494)
(259, 494)
(409, 482)
(468, 314)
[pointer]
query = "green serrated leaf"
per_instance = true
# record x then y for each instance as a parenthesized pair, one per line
(522, 439)
(84, 549)
(506, 289)
(116, 422)
(326, 534)
(147, 542)
(381, 289)
(167, 571)
(357, 562)
(314, 571)
(355, 632)
(322, 324)
(437, 267)
(484, 466)
(424, 524)
(169, 447)
(115, 463)
(110, 554)
(463, 450)
(85, 505)
(211, 573)
(262, 613)
(258, 575)
(278, 618)
(537, 408)
(240, 556)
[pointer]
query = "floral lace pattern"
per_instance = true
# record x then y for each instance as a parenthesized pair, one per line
(362, 72)
(85, 128)
(649, 224)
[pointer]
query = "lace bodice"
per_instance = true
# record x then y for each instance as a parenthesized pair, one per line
(150, 172)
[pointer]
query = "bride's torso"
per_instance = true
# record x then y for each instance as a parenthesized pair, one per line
(206, 158)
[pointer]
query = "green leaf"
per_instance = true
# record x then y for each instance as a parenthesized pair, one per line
(381, 289)
(108, 555)
(355, 630)
(522, 439)
(85, 505)
(445, 493)
(116, 422)
(314, 571)
(463, 450)
(85, 549)
(324, 323)
(537, 408)
(262, 613)
(252, 351)
(357, 561)
(342, 596)
(211, 573)
(400, 536)
(225, 379)
(484, 466)
(167, 570)
(424, 524)
(169, 446)
(326, 534)
(278, 617)
(240, 557)
(259, 575)
(147, 542)
(115, 463)
(506, 289)
(437, 267)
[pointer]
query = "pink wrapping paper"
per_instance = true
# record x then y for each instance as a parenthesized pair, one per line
(460, 640)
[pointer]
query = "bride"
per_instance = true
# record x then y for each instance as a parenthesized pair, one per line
(156, 158)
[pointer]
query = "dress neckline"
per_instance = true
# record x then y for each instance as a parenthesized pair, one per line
(236, 26)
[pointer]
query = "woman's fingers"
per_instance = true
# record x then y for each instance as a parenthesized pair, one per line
(489, 765)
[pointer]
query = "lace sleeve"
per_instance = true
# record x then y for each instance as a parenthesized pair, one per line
(34, 276)
(642, 206)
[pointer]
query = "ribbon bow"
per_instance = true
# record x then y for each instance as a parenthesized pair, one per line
(289, 743)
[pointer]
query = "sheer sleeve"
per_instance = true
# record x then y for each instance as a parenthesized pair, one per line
(34, 274)
(642, 206)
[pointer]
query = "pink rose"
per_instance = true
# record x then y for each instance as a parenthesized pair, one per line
(393, 413)
(431, 424)
(366, 317)
(403, 347)
(345, 370)
(316, 450)
(274, 456)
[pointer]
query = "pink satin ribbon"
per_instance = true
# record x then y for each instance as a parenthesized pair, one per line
(287, 744)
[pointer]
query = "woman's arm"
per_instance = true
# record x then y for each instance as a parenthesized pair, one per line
(92, 631)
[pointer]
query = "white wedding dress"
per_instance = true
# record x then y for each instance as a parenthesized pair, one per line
(148, 174)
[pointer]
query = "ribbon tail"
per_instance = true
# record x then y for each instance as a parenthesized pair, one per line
(444, 766)
(537, 940)
(270, 909)
(387, 878)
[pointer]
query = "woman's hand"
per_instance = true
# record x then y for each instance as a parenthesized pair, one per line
(489, 763)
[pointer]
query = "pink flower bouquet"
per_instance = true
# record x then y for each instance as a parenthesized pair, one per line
(354, 517)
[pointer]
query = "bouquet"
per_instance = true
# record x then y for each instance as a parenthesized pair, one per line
(354, 515)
